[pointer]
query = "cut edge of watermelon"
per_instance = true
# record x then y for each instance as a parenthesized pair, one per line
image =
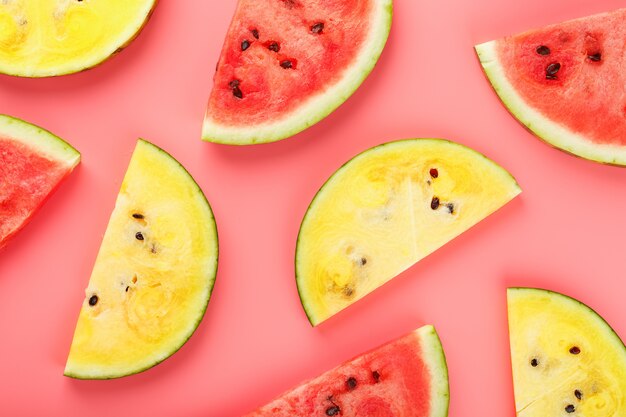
(550, 132)
(438, 369)
(319, 106)
(39, 140)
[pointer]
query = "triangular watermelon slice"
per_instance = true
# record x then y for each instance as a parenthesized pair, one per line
(33, 162)
(405, 378)
(565, 83)
(287, 64)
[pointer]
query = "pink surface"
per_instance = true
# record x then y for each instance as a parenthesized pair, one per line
(565, 232)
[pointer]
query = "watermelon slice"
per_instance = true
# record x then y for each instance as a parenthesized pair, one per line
(566, 359)
(154, 273)
(404, 378)
(40, 38)
(33, 162)
(565, 83)
(385, 210)
(287, 64)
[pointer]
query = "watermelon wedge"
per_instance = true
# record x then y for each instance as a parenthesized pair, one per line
(154, 273)
(385, 210)
(566, 359)
(41, 38)
(565, 83)
(405, 378)
(33, 162)
(287, 64)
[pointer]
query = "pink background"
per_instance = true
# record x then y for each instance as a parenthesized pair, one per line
(565, 232)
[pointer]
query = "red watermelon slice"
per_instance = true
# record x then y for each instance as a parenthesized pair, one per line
(33, 161)
(405, 378)
(566, 83)
(287, 64)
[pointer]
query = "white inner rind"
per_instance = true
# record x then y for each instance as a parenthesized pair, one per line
(435, 360)
(318, 106)
(553, 133)
(39, 140)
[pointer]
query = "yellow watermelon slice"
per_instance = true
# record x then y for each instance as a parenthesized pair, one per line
(385, 210)
(40, 38)
(154, 273)
(567, 361)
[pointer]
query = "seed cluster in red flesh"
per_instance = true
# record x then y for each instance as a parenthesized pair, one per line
(282, 52)
(391, 381)
(569, 72)
(26, 180)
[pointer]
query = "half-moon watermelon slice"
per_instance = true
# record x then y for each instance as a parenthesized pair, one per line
(42, 38)
(565, 83)
(287, 64)
(33, 162)
(386, 209)
(405, 378)
(154, 273)
(567, 361)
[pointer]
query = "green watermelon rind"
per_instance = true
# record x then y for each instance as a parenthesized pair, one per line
(193, 326)
(125, 39)
(317, 107)
(435, 360)
(554, 134)
(39, 140)
(515, 191)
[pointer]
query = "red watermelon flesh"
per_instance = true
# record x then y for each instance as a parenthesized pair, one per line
(571, 76)
(404, 378)
(32, 164)
(281, 54)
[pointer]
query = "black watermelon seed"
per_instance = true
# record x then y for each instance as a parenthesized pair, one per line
(543, 50)
(93, 300)
(551, 70)
(139, 236)
(274, 46)
(317, 28)
(534, 363)
(595, 57)
(351, 382)
(138, 216)
(578, 394)
(434, 204)
(376, 376)
(255, 33)
(363, 261)
(237, 92)
(286, 64)
(245, 45)
(333, 410)
(450, 207)
(570, 408)
(127, 289)
(234, 83)
(575, 350)
(434, 172)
